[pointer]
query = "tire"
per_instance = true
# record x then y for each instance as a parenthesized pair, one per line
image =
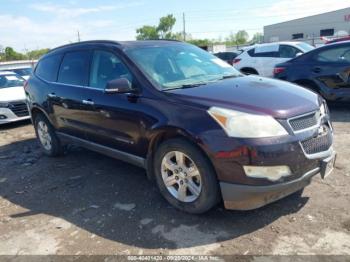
(203, 182)
(45, 132)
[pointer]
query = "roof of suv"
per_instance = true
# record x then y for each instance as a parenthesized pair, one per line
(117, 43)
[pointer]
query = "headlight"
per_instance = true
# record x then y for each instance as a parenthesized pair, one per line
(4, 104)
(323, 109)
(245, 125)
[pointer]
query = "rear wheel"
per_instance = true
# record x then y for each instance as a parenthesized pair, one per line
(47, 137)
(185, 177)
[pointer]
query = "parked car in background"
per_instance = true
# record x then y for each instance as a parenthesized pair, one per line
(228, 57)
(325, 70)
(23, 72)
(12, 98)
(341, 39)
(200, 128)
(261, 59)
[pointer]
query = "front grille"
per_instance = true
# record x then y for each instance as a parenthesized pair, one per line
(20, 109)
(305, 122)
(320, 143)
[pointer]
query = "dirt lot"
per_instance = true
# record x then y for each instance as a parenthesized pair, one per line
(86, 203)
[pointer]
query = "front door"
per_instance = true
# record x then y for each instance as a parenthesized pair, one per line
(115, 120)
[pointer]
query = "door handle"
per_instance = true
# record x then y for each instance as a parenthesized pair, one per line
(88, 102)
(316, 70)
(52, 95)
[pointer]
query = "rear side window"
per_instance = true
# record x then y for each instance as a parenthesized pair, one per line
(335, 55)
(287, 51)
(47, 68)
(74, 69)
(262, 54)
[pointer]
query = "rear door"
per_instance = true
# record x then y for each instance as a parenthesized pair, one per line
(266, 58)
(332, 68)
(67, 98)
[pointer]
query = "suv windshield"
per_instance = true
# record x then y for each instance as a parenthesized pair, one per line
(10, 81)
(180, 66)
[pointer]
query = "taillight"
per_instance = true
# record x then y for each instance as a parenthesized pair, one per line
(236, 60)
(278, 70)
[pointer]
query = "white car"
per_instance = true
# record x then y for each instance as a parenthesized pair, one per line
(13, 105)
(24, 72)
(261, 59)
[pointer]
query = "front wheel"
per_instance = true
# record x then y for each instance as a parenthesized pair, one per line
(185, 177)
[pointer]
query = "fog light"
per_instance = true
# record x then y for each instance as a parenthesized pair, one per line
(272, 173)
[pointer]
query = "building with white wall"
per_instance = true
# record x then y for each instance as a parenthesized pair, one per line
(312, 28)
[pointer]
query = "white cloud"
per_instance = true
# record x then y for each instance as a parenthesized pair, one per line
(288, 10)
(22, 32)
(72, 12)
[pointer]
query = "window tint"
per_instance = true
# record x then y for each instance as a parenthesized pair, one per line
(105, 67)
(297, 36)
(47, 68)
(327, 32)
(74, 69)
(262, 54)
(334, 55)
(287, 51)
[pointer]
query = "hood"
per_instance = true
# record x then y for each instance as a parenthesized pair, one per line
(12, 94)
(253, 94)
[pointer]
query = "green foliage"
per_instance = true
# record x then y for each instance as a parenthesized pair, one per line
(9, 54)
(200, 42)
(36, 54)
(162, 31)
(239, 38)
(257, 38)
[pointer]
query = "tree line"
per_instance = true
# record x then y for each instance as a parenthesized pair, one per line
(164, 30)
(9, 54)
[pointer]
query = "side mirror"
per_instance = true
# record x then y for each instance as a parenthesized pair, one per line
(118, 86)
(298, 54)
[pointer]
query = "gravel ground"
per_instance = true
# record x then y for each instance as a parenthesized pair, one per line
(86, 203)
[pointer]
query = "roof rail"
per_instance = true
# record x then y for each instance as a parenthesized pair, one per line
(85, 42)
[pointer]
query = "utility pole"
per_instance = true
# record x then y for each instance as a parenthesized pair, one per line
(78, 36)
(184, 26)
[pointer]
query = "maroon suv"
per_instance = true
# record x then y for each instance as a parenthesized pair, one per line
(202, 130)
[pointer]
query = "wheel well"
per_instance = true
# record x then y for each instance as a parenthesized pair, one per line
(35, 112)
(249, 70)
(159, 139)
(308, 84)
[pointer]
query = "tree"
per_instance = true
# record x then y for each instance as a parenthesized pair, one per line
(165, 26)
(162, 31)
(36, 54)
(11, 54)
(147, 33)
(257, 38)
(241, 37)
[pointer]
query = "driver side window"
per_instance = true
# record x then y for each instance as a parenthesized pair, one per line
(105, 67)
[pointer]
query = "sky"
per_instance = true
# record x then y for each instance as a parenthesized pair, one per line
(32, 24)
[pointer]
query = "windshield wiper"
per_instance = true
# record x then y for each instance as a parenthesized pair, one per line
(229, 76)
(184, 86)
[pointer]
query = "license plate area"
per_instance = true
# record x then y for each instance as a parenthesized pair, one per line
(327, 165)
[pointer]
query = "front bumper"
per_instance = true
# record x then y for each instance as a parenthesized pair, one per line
(243, 197)
(10, 116)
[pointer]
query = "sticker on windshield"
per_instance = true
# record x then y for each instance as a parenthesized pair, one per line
(221, 63)
(11, 78)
